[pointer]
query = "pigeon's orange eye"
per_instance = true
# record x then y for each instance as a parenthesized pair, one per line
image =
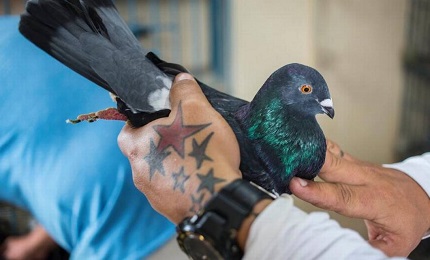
(306, 89)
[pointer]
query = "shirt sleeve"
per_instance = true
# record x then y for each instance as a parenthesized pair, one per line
(283, 231)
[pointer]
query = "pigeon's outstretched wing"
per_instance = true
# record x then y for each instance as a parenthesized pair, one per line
(91, 38)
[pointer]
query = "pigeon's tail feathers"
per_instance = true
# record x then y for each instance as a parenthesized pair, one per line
(60, 27)
(63, 50)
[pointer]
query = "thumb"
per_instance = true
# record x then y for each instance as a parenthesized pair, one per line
(185, 87)
(338, 197)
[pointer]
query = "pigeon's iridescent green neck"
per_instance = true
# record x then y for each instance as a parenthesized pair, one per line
(295, 139)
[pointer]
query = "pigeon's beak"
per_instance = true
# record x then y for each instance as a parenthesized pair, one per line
(327, 107)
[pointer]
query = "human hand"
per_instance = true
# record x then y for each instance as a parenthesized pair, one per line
(35, 245)
(395, 208)
(180, 161)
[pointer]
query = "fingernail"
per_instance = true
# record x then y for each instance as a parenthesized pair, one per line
(183, 76)
(302, 182)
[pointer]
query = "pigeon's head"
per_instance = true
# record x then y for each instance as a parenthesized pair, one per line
(299, 88)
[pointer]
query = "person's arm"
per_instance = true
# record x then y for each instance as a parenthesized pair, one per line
(179, 162)
(37, 244)
(418, 168)
(283, 231)
(395, 208)
(182, 161)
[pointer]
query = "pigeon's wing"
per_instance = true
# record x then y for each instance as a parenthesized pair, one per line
(272, 178)
(254, 166)
(261, 161)
(91, 38)
(257, 162)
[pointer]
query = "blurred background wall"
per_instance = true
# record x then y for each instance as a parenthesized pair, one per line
(359, 47)
(355, 44)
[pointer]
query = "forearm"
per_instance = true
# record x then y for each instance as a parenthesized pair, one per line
(418, 168)
(243, 231)
(42, 238)
(284, 231)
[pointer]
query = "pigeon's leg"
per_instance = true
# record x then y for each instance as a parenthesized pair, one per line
(106, 114)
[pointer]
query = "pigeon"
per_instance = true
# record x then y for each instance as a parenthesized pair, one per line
(278, 134)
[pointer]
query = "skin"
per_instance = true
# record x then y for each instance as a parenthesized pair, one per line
(187, 167)
(35, 245)
(394, 207)
(189, 172)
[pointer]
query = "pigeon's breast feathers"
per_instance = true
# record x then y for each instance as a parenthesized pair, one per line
(281, 125)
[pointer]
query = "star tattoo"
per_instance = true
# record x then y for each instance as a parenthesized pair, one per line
(175, 134)
(199, 151)
(155, 160)
(180, 179)
(196, 203)
(208, 181)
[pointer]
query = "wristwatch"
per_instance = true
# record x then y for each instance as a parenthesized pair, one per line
(211, 234)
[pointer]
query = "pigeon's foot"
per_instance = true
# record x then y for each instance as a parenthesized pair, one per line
(106, 114)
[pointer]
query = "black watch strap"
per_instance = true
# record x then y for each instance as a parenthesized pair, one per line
(221, 218)
(236, 201)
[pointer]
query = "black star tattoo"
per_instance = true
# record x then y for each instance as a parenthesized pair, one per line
(208, 181)
(180, 179)
(155, 160)
(196, 203)
(199, 151)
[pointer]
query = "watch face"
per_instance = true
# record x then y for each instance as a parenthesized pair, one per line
(196, 247)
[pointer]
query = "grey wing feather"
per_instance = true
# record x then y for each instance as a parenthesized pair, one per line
(91, 38)
(135, 79)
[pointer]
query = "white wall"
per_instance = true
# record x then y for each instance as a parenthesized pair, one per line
(265, 36)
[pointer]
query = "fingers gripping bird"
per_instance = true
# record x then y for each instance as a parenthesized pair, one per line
(277, 131)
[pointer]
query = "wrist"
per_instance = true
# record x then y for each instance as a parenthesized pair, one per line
(42, 239)
(224, 222)
(243, 232)
(202, 197)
